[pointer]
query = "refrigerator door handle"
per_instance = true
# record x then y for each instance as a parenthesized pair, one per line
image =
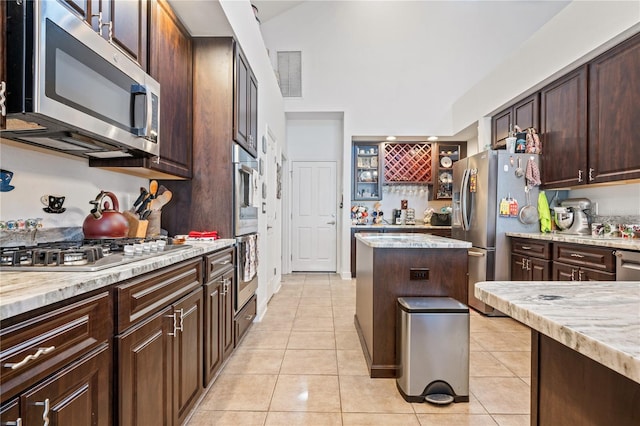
(464, 196)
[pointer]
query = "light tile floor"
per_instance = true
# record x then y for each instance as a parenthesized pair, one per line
(303, 365)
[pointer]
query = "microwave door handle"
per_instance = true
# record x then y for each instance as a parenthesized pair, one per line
(139, 99)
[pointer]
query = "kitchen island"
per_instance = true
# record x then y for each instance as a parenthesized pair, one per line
(401, 265)
(585, 348)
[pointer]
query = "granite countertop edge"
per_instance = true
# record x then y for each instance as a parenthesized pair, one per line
(420, 225)
(577, 315)
(409, 240)
(22, 291)
(619, 243)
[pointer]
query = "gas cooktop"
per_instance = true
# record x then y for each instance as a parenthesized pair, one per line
(81, 256)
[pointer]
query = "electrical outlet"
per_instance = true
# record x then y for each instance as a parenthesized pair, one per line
(419, 274)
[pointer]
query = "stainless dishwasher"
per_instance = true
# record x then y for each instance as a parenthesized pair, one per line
(627, 265)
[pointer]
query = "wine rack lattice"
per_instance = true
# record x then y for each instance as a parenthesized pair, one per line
(407, 162)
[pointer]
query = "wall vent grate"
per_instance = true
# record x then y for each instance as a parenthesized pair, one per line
(290, 73)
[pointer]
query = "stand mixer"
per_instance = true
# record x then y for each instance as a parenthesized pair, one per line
(572, 217)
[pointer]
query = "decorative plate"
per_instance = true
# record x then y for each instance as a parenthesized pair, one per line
(446, 162)
(446, 177)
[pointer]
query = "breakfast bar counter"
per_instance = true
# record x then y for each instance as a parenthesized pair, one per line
(401, 265)
(585, 347)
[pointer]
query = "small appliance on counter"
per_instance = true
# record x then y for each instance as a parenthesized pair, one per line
(441, 219)
(572, 217)
(410, 217)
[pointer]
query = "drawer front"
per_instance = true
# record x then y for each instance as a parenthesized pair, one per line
(599, 259)
(541, 250)
(244, 319)
(217, 262)
(142, 296)
(33, 349)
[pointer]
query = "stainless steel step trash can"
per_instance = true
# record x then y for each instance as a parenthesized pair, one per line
(433, 349)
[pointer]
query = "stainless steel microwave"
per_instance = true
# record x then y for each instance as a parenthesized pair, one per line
(70, 90)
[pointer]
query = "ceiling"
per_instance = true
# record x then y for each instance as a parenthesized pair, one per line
(267, 9)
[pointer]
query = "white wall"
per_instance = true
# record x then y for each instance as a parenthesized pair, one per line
(397, 67)
(240, 16)
(38, 172)
(619, 200)
(575, 35)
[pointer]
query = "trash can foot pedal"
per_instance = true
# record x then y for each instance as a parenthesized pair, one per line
(439, 398)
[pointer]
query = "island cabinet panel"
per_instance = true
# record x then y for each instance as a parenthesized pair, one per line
(354, 231)
(614, 113)
(568, 388)
(384, 274)
(563, 116)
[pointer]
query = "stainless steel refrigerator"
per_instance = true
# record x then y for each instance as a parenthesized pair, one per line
(480, 184)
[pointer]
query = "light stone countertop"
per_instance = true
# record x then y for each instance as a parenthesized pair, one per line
(619, 243)
(22, 291)
(599, 319)
(418, 225)
(406, 240)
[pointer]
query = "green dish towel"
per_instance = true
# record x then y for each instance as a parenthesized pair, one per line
(544, 214)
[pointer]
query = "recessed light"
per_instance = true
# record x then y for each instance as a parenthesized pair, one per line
(391, 138)
(432, 138)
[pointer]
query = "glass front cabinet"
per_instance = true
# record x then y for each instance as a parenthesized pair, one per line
(366, 172)
(448, 154)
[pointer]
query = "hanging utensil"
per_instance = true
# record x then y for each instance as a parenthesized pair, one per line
(528, 214)
(519, 169)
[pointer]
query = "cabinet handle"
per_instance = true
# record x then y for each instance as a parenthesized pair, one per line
(225, 286)
(573, 271)
(45, 411)
(579, 175)
(28, 358)
(249, 317)
(523, 264)
(177, 327)
(580, 275)
(528, 264)
(3, 98)
(110, 26)
(591, 178)
(18, 422)
(579, 256)
(99, 15)
(526, 248)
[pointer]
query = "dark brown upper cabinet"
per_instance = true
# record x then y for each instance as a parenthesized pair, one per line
(524, 114)
(245, 104)
(614, 113)
(123, 23)
(563, 116)
(167, 39)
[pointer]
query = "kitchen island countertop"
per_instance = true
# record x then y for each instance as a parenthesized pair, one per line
(600, 320)
(619, 243)
(418, 225)
(409, 240)
(22, 291)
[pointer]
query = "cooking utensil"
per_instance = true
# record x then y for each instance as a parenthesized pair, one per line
(103, 221)
(153, 188)
(519, 169)
(142, 196)
(528, 214)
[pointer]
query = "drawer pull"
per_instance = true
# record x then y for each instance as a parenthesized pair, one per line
(18, 422)
(28, 358)
(45, 411)
(579, 256)
(526, 248)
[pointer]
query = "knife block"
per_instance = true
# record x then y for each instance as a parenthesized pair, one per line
(137, 227)
(153, 230)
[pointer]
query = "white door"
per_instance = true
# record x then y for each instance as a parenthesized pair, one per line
(313, 216)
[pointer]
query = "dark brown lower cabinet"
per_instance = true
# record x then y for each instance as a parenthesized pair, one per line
(525, 268)
(159, 354)
(218, 322)
(145, 379)
(564, 272)
(79, 394)
(244, 319)
(568, 388)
